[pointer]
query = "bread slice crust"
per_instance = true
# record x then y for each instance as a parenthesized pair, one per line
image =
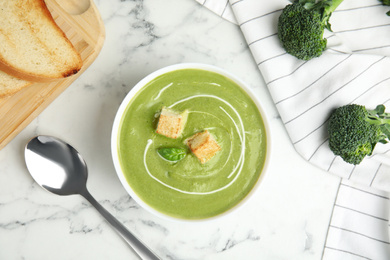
(32, 46)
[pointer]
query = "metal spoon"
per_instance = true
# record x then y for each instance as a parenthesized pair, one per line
(60, 169)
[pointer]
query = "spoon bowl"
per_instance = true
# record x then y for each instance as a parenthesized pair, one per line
(65, 172)
(59, 168)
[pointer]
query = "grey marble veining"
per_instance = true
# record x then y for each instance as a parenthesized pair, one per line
(286, 219)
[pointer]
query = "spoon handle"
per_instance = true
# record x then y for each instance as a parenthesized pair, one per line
(144, 252)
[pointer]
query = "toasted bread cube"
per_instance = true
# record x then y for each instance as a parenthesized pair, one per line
(171, 123)
(203, 146)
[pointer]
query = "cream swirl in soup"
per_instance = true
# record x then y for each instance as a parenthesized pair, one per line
(188, 189)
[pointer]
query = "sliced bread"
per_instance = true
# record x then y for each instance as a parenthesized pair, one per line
(32, 46)
(10, 85)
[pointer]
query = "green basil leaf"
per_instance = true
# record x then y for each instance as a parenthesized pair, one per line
(172, 154)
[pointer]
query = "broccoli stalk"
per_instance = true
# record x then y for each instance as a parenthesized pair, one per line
(354, 131)
(301, 27)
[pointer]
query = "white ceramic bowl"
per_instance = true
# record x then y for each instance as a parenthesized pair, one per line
(141, 84)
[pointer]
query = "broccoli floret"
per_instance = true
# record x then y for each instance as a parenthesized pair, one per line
(386, 2)
(301, 27)
(354, 131)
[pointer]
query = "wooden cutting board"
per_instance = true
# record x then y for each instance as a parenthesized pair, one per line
(81, 22)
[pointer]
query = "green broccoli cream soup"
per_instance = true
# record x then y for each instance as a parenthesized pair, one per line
(189, 189)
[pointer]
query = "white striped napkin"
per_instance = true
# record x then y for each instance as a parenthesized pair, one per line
(359, 226)
(354, 69)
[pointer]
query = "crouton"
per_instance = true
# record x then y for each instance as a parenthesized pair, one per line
(203, 146)
(171, 123)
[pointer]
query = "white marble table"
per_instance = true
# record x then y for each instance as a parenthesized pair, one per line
(287, 218)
